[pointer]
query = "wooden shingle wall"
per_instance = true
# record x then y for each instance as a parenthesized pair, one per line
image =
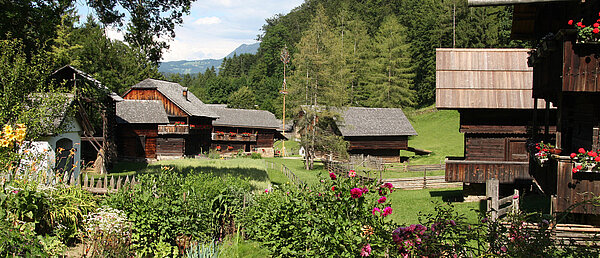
(483, 78)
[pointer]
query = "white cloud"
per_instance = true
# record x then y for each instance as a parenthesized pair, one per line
(208, 20)
(114, 34)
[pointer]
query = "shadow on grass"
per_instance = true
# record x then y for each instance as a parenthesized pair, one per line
(449, 195)
(123, 167)
(244, 173)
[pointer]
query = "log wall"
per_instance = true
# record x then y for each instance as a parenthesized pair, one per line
(137, 141)
(477, 171)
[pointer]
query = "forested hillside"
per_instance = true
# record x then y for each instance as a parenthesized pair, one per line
(349, 52)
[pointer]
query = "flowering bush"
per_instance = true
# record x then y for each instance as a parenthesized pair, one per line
(107, 233)
(585, 160)
(543, 152)
(339, 217)
(587, 33)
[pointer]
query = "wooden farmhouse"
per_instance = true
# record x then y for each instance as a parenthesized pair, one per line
(244, 130)
(492, 91)
(377, 132)
(187, 130)
(96, 102)
(565, 73)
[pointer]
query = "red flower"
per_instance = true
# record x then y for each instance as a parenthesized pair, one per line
(581, 150)
(570, 22)
(597, 159)
(332, 175)
(386, 211)
(579, 167)
(596, 25)
(333, 188)
(593, 154)
(575, 170)
(596, 30)
(538, 147)
(580, 24)
(573, 155)
(546, 150)
(356, 193)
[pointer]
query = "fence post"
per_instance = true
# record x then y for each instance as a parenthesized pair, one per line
(515, 202)
(492, 187)
(425, 178)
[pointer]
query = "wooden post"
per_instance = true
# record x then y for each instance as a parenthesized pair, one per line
(425, 178)
(515, 202)
(492, 187)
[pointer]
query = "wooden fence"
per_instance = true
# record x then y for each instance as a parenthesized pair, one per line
(94, 185)
(498, 207)
(286, 171)
(342, 169)
(425, 168)
(424, 182)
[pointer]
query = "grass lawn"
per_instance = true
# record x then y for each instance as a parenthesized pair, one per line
(309, 177)
(408, 203)
(438, 132)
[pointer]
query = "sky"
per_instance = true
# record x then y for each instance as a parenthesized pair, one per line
(214, 28)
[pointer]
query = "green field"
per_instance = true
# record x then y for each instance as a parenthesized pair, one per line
(438, 132)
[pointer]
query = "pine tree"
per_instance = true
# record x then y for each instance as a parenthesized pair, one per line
(392, 74)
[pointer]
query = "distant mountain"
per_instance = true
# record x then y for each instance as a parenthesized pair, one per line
(245, 49)
(199, 66)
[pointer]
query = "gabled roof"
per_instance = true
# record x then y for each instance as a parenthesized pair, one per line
(65, 72)
(141, 112)
(484, 79)
(174, 92)
(360, 121)
(249, 118)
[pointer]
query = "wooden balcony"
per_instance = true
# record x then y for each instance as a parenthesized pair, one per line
(233, 137)
(173, 129)
(575, 191)
(478, 171)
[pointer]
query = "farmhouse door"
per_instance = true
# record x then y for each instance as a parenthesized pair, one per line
(516, 150)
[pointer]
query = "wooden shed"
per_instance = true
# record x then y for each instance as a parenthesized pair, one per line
(565, 72)
(378, 132)
(492, 91)
(244, 129)
(189, 119)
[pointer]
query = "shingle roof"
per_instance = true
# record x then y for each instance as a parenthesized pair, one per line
(174, 92)
(63, 71)
(360, 121)
(244, 117)
(141, 112)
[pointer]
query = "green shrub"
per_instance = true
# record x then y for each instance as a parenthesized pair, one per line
(20, 241)
(338, 218)
(255, 155)
(175, 209)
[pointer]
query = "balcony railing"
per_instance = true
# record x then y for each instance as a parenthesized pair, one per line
(233, 137)
(478, 171)
(173, 129)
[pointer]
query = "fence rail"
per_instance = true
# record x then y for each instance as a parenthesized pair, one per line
(286, 171)
(418, 168)
(341, 169)
(498, 207)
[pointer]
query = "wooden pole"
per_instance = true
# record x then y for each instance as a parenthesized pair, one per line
(492, 187)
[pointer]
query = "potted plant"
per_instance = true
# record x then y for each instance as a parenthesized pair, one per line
(245, 134)
(587, 34)
(218, 148)
(543, 152)
(585, 160)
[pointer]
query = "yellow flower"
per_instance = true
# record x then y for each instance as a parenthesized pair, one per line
(8, 129)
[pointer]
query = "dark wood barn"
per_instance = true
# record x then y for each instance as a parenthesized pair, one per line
(244, 129)
(378, 132)
(137, 134)
(492, 91)
(189, 127)
(565, 73)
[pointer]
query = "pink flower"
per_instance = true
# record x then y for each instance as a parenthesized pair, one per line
(386, 211)
(365, 251)
(504, 249)
(266, 190)
(382, 199)
(388, 185)
(375, 209)
(364, 190)
(15, 191)
(573, 155)
(581, 150)
(356, 193)
(332, 175)
(352, 173)
(516, 197)
(452, 222)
